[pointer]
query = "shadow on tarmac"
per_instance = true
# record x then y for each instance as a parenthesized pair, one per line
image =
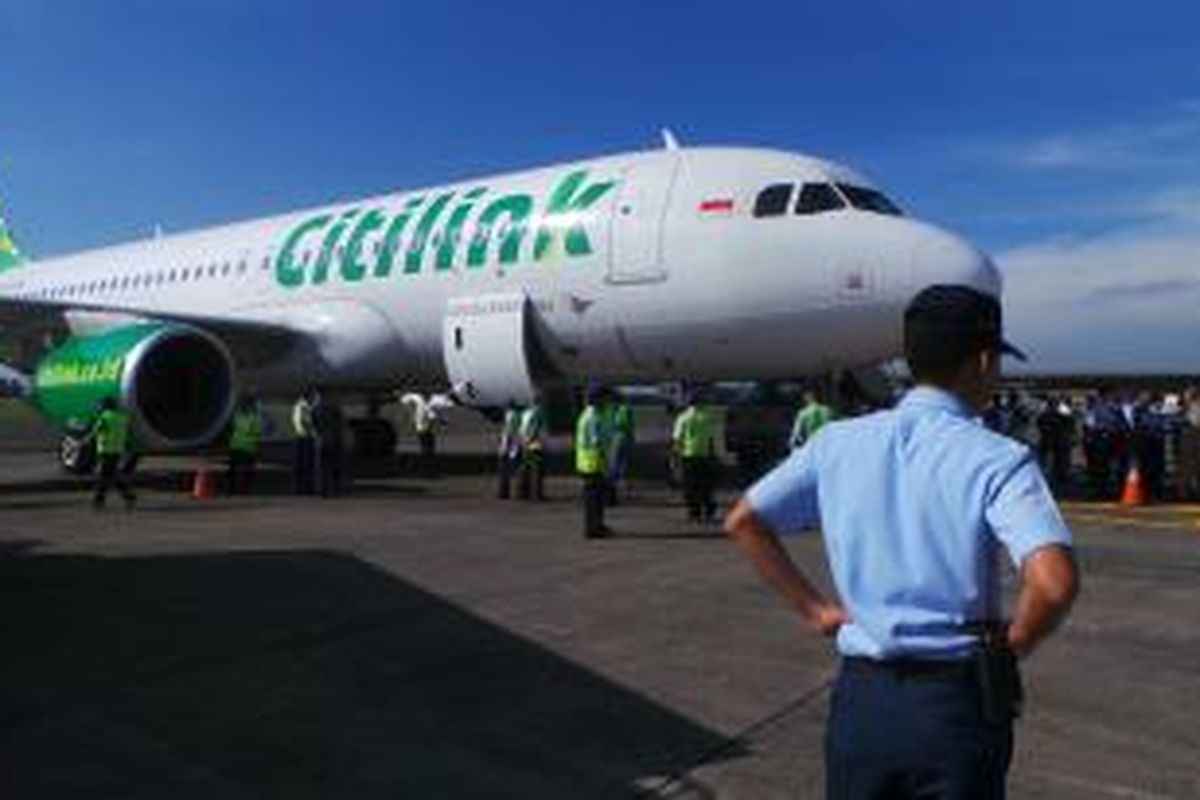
(303, 674)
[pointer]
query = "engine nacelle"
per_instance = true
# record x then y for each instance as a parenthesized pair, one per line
(176, 382)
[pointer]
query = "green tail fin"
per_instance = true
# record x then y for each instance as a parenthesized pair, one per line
(10, 256)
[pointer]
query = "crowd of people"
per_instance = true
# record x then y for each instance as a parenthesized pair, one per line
(1089, 443)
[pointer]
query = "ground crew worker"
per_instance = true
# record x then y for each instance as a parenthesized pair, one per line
(811, 417)
(329, 429)
(591, 447)
(111, 433)
(245, 435)
(509, 451)
(622, 447)
(425, 420)
(913, 504)
(305, 459)
(530, 429)
(694, 440)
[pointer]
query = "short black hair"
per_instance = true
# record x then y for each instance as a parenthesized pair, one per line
(946, 325)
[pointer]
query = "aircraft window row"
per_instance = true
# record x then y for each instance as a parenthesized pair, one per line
(817, 198)
(144, 280)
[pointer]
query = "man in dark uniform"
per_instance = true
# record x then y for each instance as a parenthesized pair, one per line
(914, 505)
(329, 426)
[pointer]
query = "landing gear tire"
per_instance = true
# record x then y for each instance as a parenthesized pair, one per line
(76, 456)
(373, 437)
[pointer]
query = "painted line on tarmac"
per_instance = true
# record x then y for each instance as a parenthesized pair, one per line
(1126, 521)
(1162, 508)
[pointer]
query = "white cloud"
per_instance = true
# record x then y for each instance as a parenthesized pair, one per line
(1168, 141)
(1123, 303)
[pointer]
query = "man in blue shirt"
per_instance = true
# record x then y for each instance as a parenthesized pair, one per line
(914, 505)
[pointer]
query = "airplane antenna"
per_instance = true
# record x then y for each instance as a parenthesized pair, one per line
(669, 140)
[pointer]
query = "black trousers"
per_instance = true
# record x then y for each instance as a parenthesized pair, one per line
(428, 443)
(698, 483)
(898, 733)
(594, 489)
(111, 475)
(329, 471)
(506, 465)
(304, 465)
(532, 485)
(240, 478)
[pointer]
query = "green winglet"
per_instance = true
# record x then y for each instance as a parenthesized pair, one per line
(10, 256)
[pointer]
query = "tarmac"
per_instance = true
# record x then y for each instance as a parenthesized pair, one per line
(418, 638)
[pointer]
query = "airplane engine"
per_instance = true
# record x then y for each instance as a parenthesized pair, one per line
(176, 382)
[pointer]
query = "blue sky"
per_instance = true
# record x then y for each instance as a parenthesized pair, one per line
(1043, 131)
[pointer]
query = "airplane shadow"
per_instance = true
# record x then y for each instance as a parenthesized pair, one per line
(304, 674)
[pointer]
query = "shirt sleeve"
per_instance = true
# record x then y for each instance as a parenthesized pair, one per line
(786, 497)
(1023, 514)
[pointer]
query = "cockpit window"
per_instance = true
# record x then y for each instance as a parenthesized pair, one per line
(773, 200)
(818, 197)
(869, 200)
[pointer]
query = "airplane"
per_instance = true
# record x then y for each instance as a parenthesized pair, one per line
(696, 263)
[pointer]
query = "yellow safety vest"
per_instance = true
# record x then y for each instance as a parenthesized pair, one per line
(112, 432)
(589, 443)
(694, 434)
(246, 433)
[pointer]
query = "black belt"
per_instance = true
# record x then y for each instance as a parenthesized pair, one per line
(913, 667)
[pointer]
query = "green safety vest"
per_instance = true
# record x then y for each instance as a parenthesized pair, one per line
(531, 427)
(809, 420)
(112, 432)
(589, 443)
(246, 433)
(694, 435)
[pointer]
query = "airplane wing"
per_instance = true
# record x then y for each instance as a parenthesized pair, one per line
(28, 328)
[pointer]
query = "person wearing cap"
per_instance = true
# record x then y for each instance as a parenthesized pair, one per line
(591, 451)
(914, 505)
(508, 452)
(111, 434)
(530, 430)
(304, 461)
(811, 417)
(245, 438)
(695, 442)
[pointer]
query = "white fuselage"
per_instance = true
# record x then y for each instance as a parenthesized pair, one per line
(662, 272)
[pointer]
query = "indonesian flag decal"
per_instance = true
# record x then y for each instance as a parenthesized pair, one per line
(716, 207)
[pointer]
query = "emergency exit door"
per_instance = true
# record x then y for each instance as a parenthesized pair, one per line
(636, 254)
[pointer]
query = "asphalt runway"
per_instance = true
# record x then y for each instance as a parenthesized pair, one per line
(420, 639)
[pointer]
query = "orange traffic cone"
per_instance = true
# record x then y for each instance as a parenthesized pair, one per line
(1133, 494)
(204, 484)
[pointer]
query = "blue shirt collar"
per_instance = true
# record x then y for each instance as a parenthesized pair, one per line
(926, 397)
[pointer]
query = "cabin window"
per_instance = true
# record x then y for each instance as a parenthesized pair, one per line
(869, 200)
(816, 198)
(773, 200)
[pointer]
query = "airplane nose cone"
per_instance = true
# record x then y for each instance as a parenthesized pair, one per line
(942, 258)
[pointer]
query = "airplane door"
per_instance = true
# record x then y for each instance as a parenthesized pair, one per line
(638, 214)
